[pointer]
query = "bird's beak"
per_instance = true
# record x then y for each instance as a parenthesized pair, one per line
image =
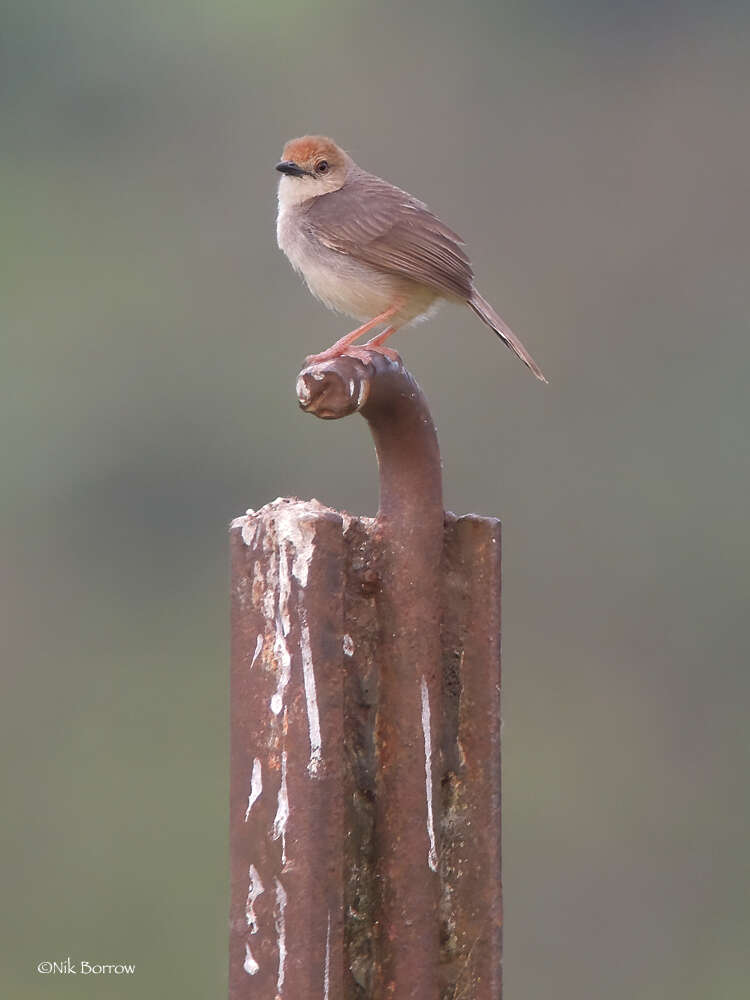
(291, 168)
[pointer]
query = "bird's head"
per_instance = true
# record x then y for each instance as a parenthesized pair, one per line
(311, 166)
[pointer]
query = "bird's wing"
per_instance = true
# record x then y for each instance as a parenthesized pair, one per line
(381, 225)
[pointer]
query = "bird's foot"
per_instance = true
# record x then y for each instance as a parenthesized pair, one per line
(362, 353)
(329, 355)
(365, 352)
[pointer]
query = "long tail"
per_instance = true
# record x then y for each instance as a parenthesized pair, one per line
(486, 313)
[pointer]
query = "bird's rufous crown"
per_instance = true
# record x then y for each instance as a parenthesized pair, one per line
(310, 148)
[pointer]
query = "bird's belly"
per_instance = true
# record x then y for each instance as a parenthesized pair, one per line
(350, 287)
(347, 285)
(344, 284)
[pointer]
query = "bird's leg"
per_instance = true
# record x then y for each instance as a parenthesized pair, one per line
(376, 343)
(339, 348)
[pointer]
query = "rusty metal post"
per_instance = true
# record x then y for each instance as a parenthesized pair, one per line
(365, 829)
(472, 812)
(286, 819)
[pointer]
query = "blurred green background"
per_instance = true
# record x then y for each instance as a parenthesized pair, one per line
(595, 158)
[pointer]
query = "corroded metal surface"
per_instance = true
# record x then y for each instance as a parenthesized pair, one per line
(471, 907)
(366, 727)
(408, 534)
(286, 800)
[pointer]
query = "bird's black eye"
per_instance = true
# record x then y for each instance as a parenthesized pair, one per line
(322, 167)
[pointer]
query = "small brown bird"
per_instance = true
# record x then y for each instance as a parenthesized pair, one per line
(371, 251)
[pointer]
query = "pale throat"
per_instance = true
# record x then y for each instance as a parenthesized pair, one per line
(294, 190)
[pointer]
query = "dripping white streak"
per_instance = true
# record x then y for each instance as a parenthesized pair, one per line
(432, 854)
(250, 966)
(282, 810)
(327, 973)
(285, 584)
(311, 697)
(258, 647)
(296, 532)
(295, 536)
(281, 932)
(281, 650)
(268, 585)
(254, 889)
(256, 787)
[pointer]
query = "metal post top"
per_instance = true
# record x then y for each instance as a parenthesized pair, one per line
(290, 508)
(389, 398)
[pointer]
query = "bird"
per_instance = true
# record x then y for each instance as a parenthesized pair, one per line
(371, 251)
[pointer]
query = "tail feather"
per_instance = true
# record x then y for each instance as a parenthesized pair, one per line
(486, 313)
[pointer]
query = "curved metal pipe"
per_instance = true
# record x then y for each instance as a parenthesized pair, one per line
(410, 524)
